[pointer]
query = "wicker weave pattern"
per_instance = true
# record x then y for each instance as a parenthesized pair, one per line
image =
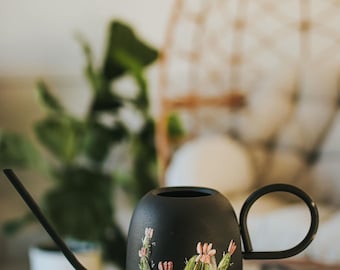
(217, 51)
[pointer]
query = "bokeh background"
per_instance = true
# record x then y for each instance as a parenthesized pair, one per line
(38, 40)
(283, 58)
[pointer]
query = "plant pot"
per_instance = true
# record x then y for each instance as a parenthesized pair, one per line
(48, 256)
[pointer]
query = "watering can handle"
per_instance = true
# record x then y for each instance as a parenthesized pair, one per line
(256, 255)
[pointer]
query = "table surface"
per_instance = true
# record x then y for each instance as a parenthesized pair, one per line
(248, 265)
(286, 265)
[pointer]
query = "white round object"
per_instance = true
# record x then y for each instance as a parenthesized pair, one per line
(218, 162)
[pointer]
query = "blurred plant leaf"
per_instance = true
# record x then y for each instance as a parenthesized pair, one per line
(96, 133)
(144, 168)
(115, 245)
(105, 101)
(98, 83)
(62, 136)
(89, 69)
(47, 99)
(122, 38)
(80, 203)
(124, 179)
(11, 227)
(136, 70)
(83, 197)
(175, 127)
(147, 136)
(17, 150)
(143, 175)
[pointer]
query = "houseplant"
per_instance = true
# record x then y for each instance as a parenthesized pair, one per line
(80, 202)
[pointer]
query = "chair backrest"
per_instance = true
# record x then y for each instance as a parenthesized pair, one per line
(217, 51)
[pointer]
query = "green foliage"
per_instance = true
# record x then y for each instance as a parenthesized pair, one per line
(80, 203)
(80, 206)
(175, 127)
(95, 133)
(47, 99)
(11, 227)
(123, 43)
(61, 135)
(17, 151)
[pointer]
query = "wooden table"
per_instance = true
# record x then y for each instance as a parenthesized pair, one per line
(287, 265)
(248, 265)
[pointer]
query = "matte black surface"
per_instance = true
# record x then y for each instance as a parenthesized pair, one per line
(181, 217)
(248, 250)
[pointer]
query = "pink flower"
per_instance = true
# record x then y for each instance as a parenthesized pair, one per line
(165, 265)
(148, 233)
(232, 247)
(143, 252)
(205, 252)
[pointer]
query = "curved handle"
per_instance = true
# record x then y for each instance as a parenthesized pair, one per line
(248, 250)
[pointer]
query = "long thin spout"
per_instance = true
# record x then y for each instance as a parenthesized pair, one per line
(39, 215)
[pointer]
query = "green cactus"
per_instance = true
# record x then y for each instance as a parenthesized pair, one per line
(205, 260)
(191, 263)
(225, 262)
(144, 264)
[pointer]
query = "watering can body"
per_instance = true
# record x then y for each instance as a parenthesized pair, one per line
(173, 227)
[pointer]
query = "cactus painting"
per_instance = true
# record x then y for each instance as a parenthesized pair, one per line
(204, 259)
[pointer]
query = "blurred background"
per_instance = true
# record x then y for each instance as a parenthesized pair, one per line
(238, 94)
(38, 41)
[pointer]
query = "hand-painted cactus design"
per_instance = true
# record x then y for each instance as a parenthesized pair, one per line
(204, 260)
(165, 265)
(145, 251)
(226, 259)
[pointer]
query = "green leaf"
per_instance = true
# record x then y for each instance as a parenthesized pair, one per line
(62, 136)
(144, 164)
(190, 265)
(123, 39)
(18, 151)
(12, 227)
(146, 136)
(80, 207)
(96, 80)
(225, 262)
(136, 70)
(175, 127)
(105, 101)
(89, 69)
(115, 246)
(47, 99)
(98, 140)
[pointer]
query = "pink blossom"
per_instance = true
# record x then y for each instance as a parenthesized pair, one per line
(148, 233)
(205, 252)
(143, 252)
(165, 265)
(232, 247)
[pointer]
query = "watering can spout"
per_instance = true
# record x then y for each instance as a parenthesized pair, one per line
(42, 219)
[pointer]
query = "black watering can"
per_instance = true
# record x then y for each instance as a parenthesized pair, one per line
(171, 224)
(196, 228)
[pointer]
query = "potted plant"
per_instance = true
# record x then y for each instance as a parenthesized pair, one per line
(79, 204)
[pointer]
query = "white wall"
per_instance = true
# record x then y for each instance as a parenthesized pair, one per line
(37, 40)
(37, 37)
